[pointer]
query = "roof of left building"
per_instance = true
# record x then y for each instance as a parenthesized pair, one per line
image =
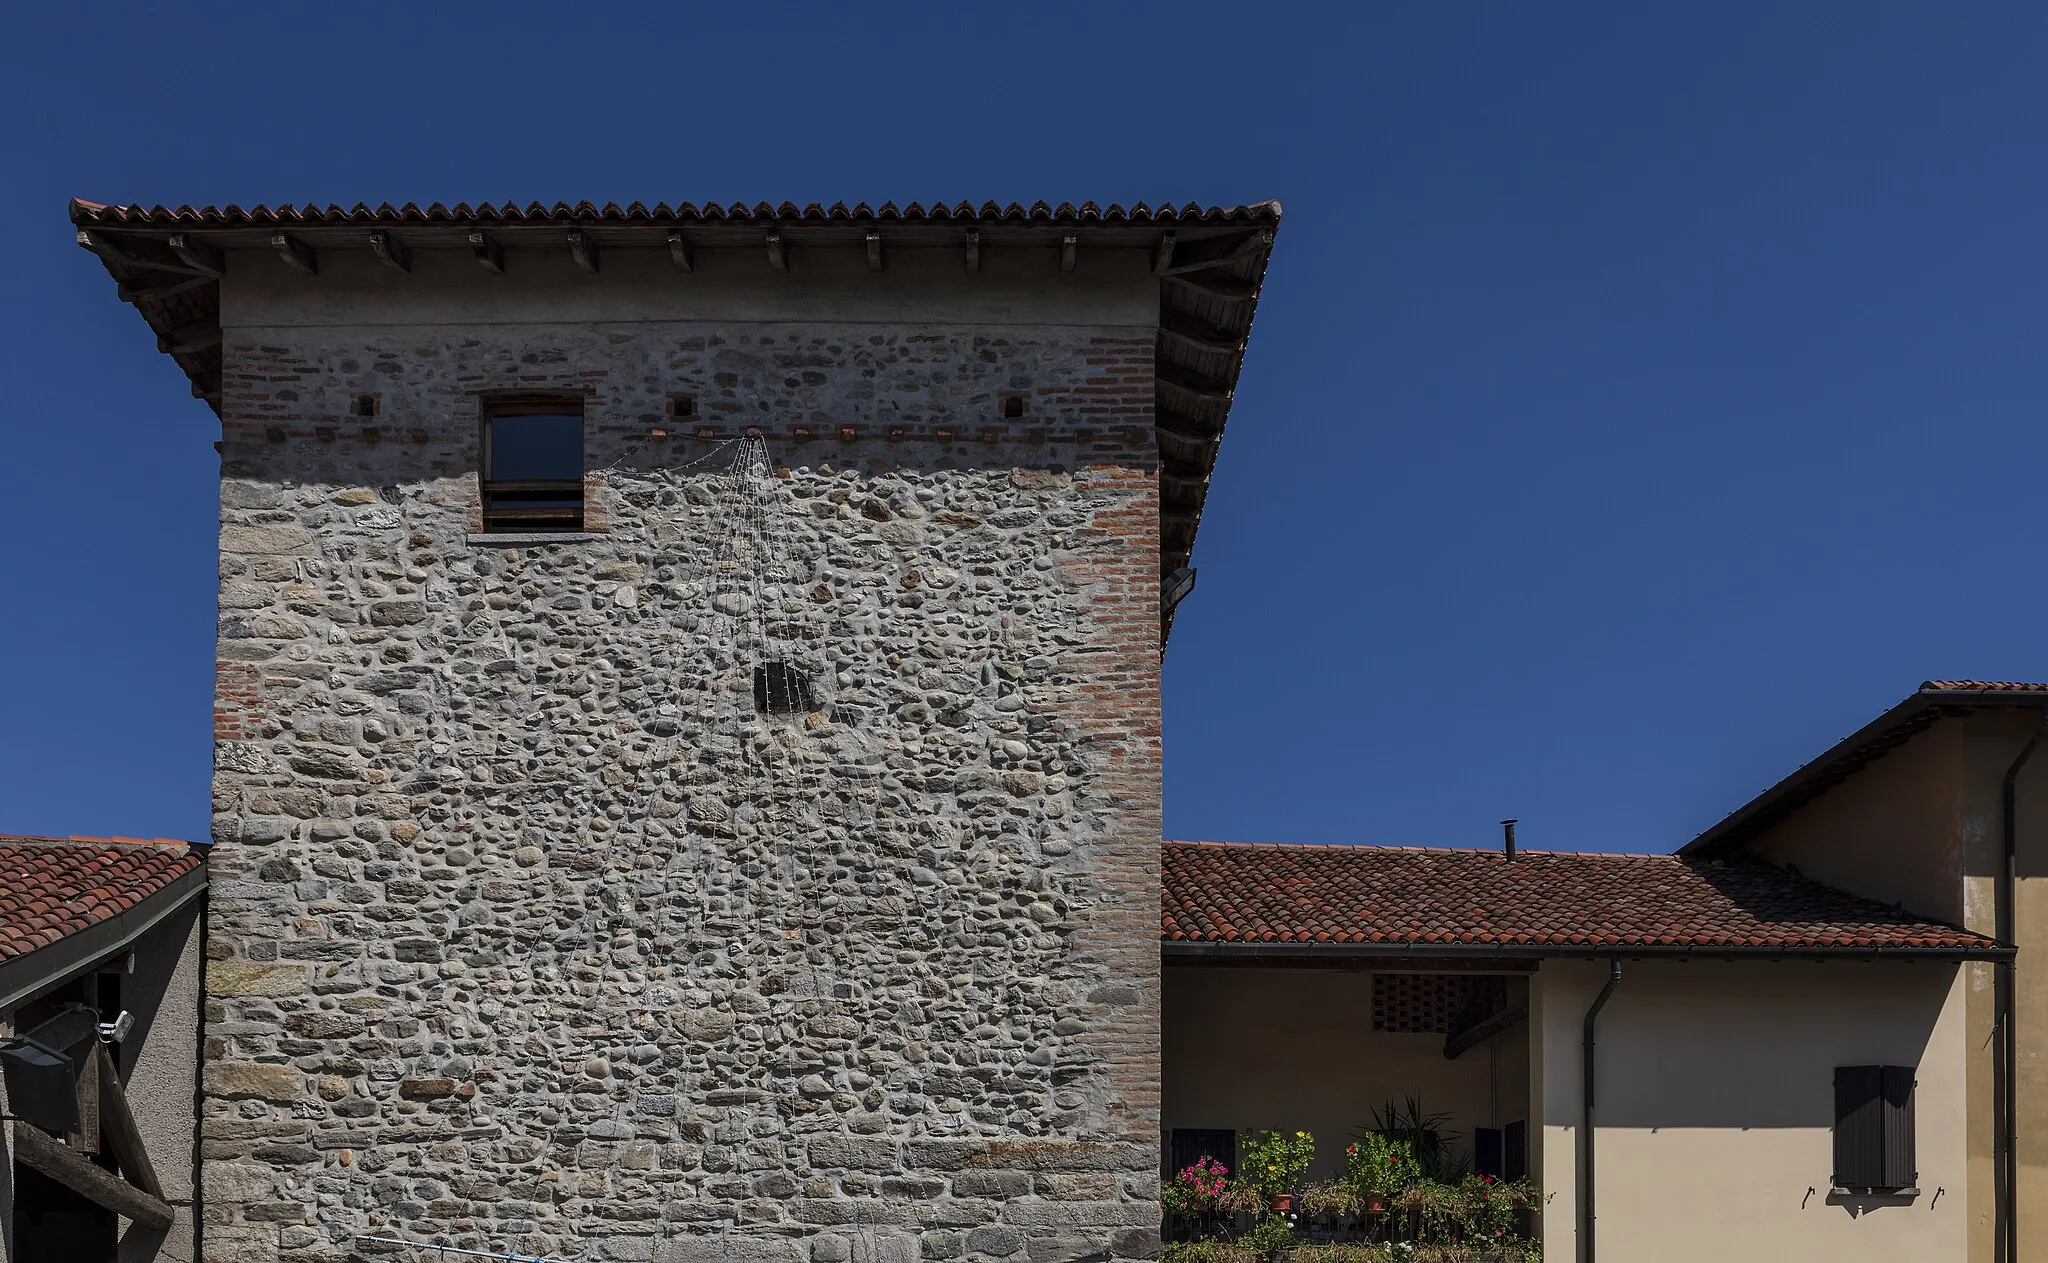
(67, 904)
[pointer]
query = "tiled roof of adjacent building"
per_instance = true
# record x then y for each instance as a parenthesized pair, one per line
(51, 888)
(1543, 902)
(1921, 709)
(1210, 262)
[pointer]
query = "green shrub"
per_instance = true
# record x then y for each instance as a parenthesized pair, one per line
(1207, 1252)
(1268, 1236)
(1274, 1161)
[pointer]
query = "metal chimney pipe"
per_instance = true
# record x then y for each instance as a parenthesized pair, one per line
(1508, 838)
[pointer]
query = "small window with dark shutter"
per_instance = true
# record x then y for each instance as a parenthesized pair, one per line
(1874, 1129)
(533, 464)
(1515, 1150)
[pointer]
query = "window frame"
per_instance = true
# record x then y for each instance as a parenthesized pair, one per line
(567, 511)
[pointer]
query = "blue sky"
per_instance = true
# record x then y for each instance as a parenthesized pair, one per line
(1643, 396)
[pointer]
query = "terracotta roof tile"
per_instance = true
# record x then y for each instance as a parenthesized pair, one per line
(84, 212)
(53, 887)
(1241, 893)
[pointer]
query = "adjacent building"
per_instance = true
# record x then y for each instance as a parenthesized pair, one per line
(100, 963)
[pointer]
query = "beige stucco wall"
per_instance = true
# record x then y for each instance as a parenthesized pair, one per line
(1295, 1048)
(1716, 1106)
(1923, 827)
(158, 1062)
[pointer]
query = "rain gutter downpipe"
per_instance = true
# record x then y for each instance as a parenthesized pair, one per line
(1586, 1122)
(2004, 1071)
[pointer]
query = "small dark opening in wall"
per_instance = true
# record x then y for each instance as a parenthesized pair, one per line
(1010, 407)
(366, 405)
(682, 405)
(781, 689)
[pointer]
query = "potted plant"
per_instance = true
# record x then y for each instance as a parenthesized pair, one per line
(1192, 1192)
(1377, 1167)
(1275, 1162)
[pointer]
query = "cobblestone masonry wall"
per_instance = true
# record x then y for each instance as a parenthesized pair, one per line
(528, 933)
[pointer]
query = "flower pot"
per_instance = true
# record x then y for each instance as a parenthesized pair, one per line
(1283, 1202)
(1375, 1205)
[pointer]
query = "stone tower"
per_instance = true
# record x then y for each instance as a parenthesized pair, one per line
(687, 773)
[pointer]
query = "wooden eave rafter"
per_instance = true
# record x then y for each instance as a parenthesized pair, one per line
(1210, 275)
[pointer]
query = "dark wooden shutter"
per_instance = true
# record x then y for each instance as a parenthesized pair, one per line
(1515, 1151)
(1896, 1089)
(1874, 1142)
(1487, 1152)
(1859, 1127)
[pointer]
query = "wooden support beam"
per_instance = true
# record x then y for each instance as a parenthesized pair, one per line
(874, 240)
(679, 250)
(117, 1125)
(778, 256)
(1162, 254)
(390, 251)
(296, 254)
(974, 249)
(1184, 427)
(86, 1139)
(1460, 1042)
(1187, 379)
(1216, 251)
(36, 1150)
(197, 255)
(489, 254)
(1070, 245)
(193, 336)
(138, 293)
(1200, 334)
(1221, 286)
(135, 253)
(583, 250)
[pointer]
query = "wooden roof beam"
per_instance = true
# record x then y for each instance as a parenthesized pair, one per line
(974, 249)
(390, 251)
(583, 250)
(1070, 247)
(1200, 334)
(140, 293)
(193, 336)
(679, 250)
(778, 252)
(873, 238)
(1221, 286)
(489, 254)
(37, 1150)
(296, 254)
(1162, 254)
(197, 255)
(1197, 384)
(137, 254)
(1214, 252)
(1184, 427)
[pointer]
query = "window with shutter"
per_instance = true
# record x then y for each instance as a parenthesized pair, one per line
(1874, 1129)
